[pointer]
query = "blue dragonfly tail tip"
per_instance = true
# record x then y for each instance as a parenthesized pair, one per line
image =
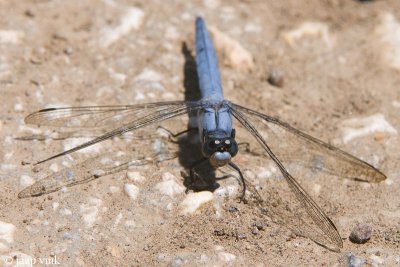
(199, 20)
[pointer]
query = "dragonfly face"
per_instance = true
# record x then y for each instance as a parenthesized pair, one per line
(219, 148)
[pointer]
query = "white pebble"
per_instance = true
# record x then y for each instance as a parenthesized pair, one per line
(171, 33)
(8, 167)
(135, 176)
(114, 189)
(193, 201)
(376, 260)
(306, 30)
(228, 191)
(54, 167)
(26, 180)
(212, 4)
(389, 33)
(55, 205)
(264, 174)
(66, 212)
(317, 189)
(148, 75)
(132, 20)
(131, 190)
(90, 211)
(360, 127)
(18, 107)
(6, 234)
(10, 37)
(225, 256)
(170, 188)
(388, 181)
(130, 224)
(234, 54)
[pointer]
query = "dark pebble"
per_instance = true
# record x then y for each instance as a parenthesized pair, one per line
(232, 209)
(219, 232)
(361, 234)
(275, 78)
(260, 226)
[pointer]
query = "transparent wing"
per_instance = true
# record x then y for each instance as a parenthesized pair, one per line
(291, 145)
(303, 155)
(134, 117)
(96, 116)
(88, 170)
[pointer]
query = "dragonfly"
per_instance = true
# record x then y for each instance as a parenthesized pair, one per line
(280, 143)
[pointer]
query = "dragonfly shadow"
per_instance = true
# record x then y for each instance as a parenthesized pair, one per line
(189, 147)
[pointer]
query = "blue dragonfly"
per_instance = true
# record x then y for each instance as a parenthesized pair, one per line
(279, 142)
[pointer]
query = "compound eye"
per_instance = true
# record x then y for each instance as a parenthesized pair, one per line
(214, 143)
(227, 143)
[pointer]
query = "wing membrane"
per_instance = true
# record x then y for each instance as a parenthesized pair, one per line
(329, 236)
(291, 145)
(96, 116)
(89, 170)
(153, 113)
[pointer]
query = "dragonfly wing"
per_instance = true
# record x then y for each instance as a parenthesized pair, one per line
(156, 113)
(291, 145)
(88, 170)
(299, 212)
(97, 116)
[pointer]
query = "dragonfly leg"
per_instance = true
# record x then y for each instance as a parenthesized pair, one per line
(236, 168)
(172, 137)
(192, 173)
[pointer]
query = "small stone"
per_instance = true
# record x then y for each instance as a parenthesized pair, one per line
(68, 50)
(254, 231)
(361, 234)
(353, 261)
(276, 78)
(193, 201)
(219, 232)
(240, 236)
(131, 190)
(232, 209)
(260, 226)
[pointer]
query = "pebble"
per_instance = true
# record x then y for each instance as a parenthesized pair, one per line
(148, 75)
(360, 127)
(132, 20)
(169, 186)
(131, 190)
(361, 234)
(226, 257)
(353, 261)
(26, 180)
(276, 78)
(235, 55)
(6, 234)
(388, 32)
(10, 37)
(135, 176)
(306, 30)
(90, 211)
(193, 201)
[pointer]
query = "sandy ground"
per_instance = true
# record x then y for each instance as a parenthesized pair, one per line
(340, 62)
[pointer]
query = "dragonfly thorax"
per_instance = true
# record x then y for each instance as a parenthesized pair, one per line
(219, 148)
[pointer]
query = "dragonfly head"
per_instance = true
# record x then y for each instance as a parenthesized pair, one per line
(219, 148)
